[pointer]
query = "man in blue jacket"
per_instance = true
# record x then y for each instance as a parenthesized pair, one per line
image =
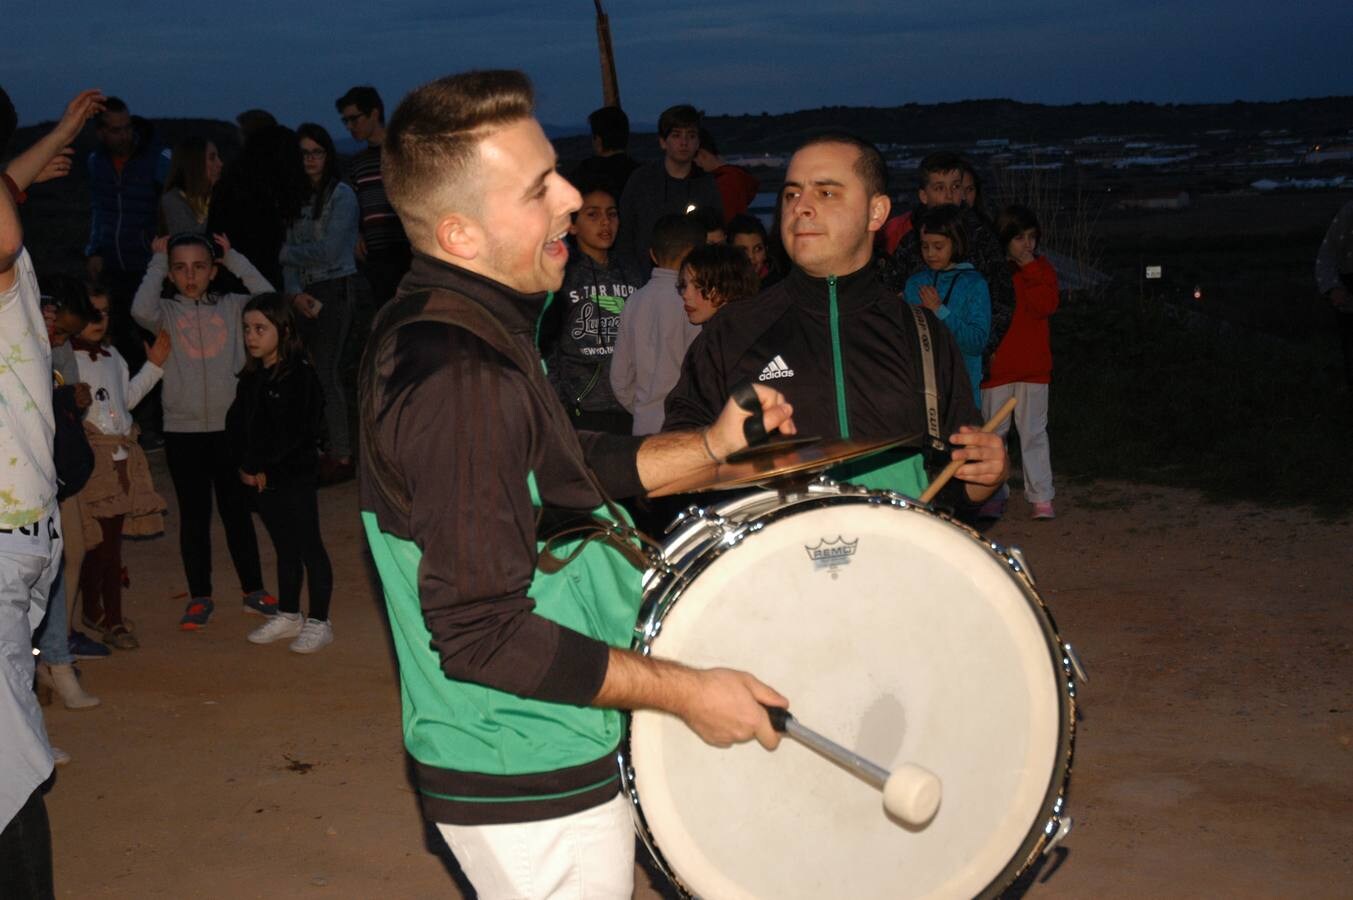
(126, 173)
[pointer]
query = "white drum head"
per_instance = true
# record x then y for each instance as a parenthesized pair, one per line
(898, 636)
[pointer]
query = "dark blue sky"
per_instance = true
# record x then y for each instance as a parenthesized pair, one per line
(214, 59)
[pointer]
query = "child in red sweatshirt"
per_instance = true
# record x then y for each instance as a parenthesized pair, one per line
(1022, 364)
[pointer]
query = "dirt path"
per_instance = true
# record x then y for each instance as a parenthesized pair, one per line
(1214, 757)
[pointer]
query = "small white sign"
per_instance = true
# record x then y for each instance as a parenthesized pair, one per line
(1153, 273)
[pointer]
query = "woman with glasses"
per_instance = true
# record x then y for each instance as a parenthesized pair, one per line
(319, 269)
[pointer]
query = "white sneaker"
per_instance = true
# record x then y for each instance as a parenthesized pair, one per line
(281, 626)
(315, 636)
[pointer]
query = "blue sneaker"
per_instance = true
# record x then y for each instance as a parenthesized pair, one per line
(82, 646)
(196, 615)
(260, 602)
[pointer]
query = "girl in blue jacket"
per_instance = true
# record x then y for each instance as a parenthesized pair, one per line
(951, 288)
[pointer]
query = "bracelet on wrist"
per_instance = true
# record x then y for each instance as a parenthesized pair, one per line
(704, 436)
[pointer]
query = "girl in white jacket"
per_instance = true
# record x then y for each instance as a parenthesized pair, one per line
(119, 497)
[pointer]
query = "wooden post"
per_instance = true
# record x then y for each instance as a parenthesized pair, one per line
(610, 86)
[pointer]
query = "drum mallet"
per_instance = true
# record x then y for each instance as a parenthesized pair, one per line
(910, 793)
(948, 472)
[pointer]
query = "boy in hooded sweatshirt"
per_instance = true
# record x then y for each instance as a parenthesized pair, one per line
(582, 323)
(952, 288)
(199, 386)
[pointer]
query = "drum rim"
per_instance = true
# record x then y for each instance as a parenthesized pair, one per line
(668, 588)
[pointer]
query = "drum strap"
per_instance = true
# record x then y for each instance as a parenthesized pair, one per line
(451, 309)
(932, 394)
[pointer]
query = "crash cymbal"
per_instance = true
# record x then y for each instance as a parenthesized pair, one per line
(779, 461)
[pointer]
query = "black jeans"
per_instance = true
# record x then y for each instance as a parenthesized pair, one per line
(290, 512)
(199, 463)
(326, 339)
(26, 853)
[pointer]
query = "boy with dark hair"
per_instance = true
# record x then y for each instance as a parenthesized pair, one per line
(382, 249)
(610, 165)
(737, 186)
(654, 332)
(579, 334)
(940, 177)
(673, 184)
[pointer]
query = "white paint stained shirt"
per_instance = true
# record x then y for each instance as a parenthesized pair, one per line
(27, 469)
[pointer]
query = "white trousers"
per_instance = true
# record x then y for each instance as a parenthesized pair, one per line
(27, 568)
(585, 856)
(1031, 421)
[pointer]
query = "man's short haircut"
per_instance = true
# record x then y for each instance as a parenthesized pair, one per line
(431, 155)
(364, 97)
(9, 120)
(110, 105)
(681, 116)
(66, 293)
(1014, 220)
(723, 271)
(252, 120)
(707, 141)
(871, 167)
(612, 126)
(947, 221)
(673, 237)
(937, 164)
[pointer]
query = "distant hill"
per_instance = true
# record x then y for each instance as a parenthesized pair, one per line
(972, 120)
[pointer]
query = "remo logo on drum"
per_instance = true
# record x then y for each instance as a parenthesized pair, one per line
(830, 555)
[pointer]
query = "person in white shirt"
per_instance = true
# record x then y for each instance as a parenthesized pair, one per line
(654, 331)
(30, 522)
(119, 498)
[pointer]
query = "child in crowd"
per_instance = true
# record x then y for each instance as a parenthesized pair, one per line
(951, 288)
(749, 235)
(65, 309)
(119, 498)
(1022, 364)
(579, 331)
(274, 427)
(208, 350)
(712, 222)
(711, 277)
(193, 172)
(654, 334)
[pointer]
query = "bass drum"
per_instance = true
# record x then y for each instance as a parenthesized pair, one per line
(896, 632)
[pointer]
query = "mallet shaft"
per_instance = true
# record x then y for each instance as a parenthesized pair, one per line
(862, 767)
(784, 722)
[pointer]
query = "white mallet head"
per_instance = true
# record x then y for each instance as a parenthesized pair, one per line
(912, 794)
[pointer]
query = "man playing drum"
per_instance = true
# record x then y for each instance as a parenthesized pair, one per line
(836, 342)
(509, 649)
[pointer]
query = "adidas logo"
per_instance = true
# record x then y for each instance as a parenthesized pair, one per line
(776, 368)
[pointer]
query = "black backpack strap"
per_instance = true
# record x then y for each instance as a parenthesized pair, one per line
(450, 309)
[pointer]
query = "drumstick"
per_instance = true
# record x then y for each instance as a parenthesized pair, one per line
(910, 792)
(1001, 415)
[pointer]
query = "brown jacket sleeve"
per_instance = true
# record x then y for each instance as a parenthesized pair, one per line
(463, 436)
